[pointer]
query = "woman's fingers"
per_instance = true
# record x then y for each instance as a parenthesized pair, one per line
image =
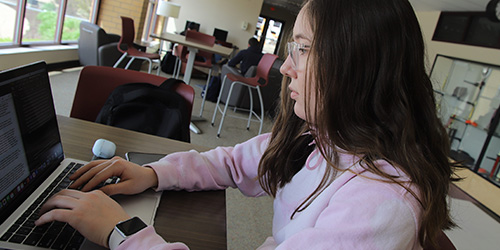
(133, 178)
(93, 214)
(63, 201)
(84, 174)
(89, 175)
(85, 168)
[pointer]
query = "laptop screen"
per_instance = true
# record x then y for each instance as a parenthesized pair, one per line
(30, 145)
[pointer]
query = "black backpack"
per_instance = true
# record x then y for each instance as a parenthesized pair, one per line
(213, 89)
(144, 107)
(168, 63)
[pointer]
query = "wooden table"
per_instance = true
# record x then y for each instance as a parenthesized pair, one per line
(195, 218)
(483, 193)
(192, 47)
(474, 206)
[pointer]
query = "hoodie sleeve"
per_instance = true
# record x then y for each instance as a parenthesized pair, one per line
(219, 168)
(237, 59)
(148, 239)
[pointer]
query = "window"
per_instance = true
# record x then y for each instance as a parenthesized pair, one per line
(8, 19)
(27, 22)
(151, 23)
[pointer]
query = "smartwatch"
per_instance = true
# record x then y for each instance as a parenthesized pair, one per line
(123, 230)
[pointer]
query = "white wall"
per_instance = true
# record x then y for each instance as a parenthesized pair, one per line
(428, 21)
(223, 14)
(10, 58)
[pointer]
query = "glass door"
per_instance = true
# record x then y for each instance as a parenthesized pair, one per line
(269, 31)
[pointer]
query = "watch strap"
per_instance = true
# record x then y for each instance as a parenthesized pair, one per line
(123, 230)
(115, 239)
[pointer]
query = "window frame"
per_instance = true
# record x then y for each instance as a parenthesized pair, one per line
(17, 39)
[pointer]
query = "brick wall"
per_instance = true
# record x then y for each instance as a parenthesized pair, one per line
(111, 10)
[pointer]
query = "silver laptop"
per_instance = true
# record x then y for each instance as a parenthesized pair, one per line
(33, 166)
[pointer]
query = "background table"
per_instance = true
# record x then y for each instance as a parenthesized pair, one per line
(195, 218)
(192, 47)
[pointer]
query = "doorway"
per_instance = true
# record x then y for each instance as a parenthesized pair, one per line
(269, 32)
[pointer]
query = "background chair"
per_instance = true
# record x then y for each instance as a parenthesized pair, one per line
(240, 98)
(259, 80)
(96, 47)
(209, 40)
(96, 83)
(180, 52)
(127, 39)
(203, 59)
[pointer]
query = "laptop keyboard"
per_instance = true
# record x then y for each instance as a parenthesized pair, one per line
(55, 235)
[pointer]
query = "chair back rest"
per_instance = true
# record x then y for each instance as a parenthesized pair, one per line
(263, 68)
(91, 38)
(128, 33)
(97, 82)
(207, 56)
(180, 51)
(198, 37)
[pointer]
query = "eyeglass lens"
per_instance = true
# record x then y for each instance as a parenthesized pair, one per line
(292, 51)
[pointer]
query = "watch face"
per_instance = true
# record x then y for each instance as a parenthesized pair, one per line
(131, 226)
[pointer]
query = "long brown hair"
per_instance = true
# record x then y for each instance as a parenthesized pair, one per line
(373, 99)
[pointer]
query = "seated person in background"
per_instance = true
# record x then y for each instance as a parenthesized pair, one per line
(248, 57)
(191, 26)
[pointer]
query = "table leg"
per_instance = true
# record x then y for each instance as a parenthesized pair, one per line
(187, 79)
(193, 128)
(190, 64)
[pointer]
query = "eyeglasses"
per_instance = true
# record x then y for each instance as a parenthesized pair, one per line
(295, 50)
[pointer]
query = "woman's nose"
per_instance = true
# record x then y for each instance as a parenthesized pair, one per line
(286, 68)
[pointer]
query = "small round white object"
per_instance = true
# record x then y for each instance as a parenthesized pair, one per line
(103, 148)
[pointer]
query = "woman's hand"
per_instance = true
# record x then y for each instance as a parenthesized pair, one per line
(93, 214)
(133, 178)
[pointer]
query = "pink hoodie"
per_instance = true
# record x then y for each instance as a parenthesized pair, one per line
(356, 211)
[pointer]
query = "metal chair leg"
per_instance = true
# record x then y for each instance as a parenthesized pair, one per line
(175, 73)
(218, 101)
(250, 113)
(225, 109)
(159, 67)
(129, 62)
(261, 109)
(120, 60)
(150, 65)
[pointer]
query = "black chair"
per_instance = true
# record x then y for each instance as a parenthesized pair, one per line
(98, 48)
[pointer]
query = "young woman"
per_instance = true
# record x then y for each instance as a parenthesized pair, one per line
(357, 158)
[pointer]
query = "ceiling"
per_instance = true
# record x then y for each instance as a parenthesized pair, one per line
(418, 5)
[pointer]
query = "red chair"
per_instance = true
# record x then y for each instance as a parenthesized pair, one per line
(198, 37)
(256, 82)
(127, 39)
(180, 52)
(97, 82)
